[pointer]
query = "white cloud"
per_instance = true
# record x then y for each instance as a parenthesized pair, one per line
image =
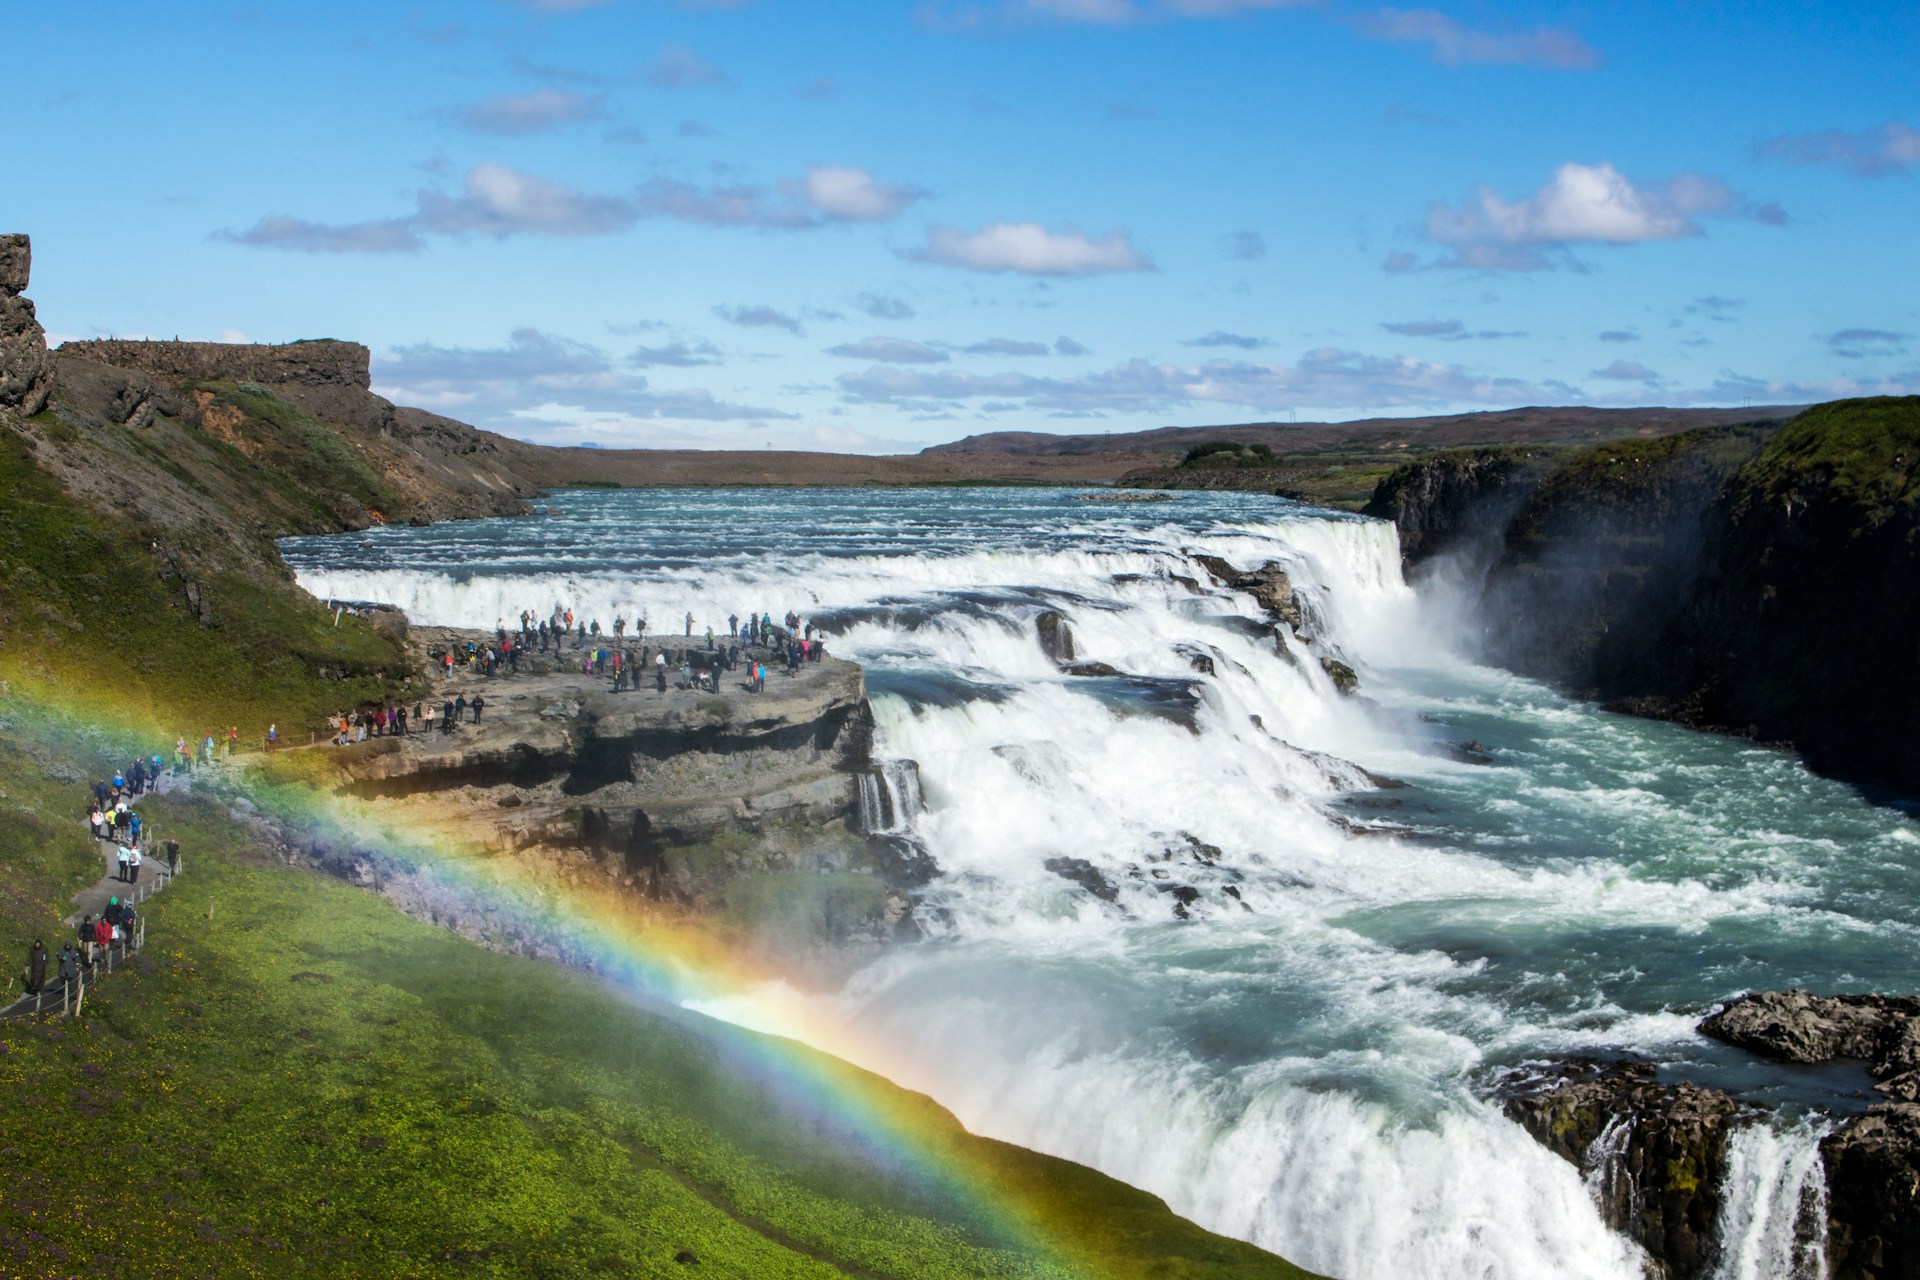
(1455, 44)
(393, 235)
(1858, 344)
(517, 115)
(884, 306)
(1101, 13)
(1893, 148)
(544, 377)
(1583, 204)
(1327, 378)
(1007, 348)
(846, 193)
(1221, 338)
(1031, 249)
(1246, 246)
(1425, 328)
(498, 200)
(675, 355)
(889, 350)
(501, 201)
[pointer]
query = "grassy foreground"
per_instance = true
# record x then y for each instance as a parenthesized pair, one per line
(308, 1083)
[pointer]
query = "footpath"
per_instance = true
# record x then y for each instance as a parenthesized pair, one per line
(55, 997)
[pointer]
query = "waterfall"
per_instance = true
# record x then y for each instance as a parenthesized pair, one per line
(1773, 1210)
(1609, 1180)
(1203, 921)
(889, 797)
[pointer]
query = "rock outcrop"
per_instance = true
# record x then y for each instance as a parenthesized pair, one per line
(1872, 1161)
(26, 368)
(734, 805)
(1442, 501)
(1798, 1026)
(1651, 1152)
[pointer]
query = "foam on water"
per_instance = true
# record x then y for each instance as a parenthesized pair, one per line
(1299, 1062)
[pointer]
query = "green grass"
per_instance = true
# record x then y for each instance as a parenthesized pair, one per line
(1866, 451)
(45, 851)
(309, 1084)
(91, 620)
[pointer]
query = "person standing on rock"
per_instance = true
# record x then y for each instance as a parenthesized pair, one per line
(459, 709)
(733, 626)
(36, 967)
(173, 857)
(426, 718)
(479, 704)
(689, 624)
(660, 671)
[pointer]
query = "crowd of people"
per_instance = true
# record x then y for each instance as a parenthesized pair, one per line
(621, 653)
(111, 819)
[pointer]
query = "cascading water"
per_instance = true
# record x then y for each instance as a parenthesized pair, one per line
(1774, 1226)
(1203, 921)
(889, 797)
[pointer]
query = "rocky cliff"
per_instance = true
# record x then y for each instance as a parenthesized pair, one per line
(1456, 497)
(1757, 578)
(742, 808)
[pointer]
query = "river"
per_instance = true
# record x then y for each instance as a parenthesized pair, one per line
(1389, 898)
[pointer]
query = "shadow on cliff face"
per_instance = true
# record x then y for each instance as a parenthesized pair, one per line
(1756, 579)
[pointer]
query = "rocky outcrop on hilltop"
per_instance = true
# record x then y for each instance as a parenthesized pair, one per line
(26, 370)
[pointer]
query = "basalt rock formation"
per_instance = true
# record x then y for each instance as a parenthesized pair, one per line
(735, 805)
(1654, 1153)
(1651, 1152)
(1756, 579)
(1873, 1161)
(26, 369)
(1452, 498)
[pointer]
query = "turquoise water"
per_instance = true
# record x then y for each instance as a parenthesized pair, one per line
(1303, 1060)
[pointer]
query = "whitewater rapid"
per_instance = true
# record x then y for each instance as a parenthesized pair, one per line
(1322, 922)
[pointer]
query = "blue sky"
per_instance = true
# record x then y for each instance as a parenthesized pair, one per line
(871, 227)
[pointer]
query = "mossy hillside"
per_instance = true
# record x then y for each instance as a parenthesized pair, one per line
(306, 1083)
(95, 619)
(1864, 453)
(46, 854)
(309, 465)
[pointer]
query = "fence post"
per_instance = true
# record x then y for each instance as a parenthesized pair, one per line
(81, 998)
(66, 999)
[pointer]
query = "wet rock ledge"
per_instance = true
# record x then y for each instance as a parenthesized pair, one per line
(1654, 1153)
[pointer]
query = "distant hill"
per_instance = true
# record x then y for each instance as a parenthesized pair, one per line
(1532, 425)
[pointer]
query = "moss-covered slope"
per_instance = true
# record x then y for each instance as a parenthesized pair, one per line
(294, 1080)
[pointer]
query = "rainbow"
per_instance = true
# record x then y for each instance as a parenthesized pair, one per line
(794, 1054)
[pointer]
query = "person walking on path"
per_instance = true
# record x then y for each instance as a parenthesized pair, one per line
(124, 855)
(36, 967)
(133, 865)
(69, 967)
